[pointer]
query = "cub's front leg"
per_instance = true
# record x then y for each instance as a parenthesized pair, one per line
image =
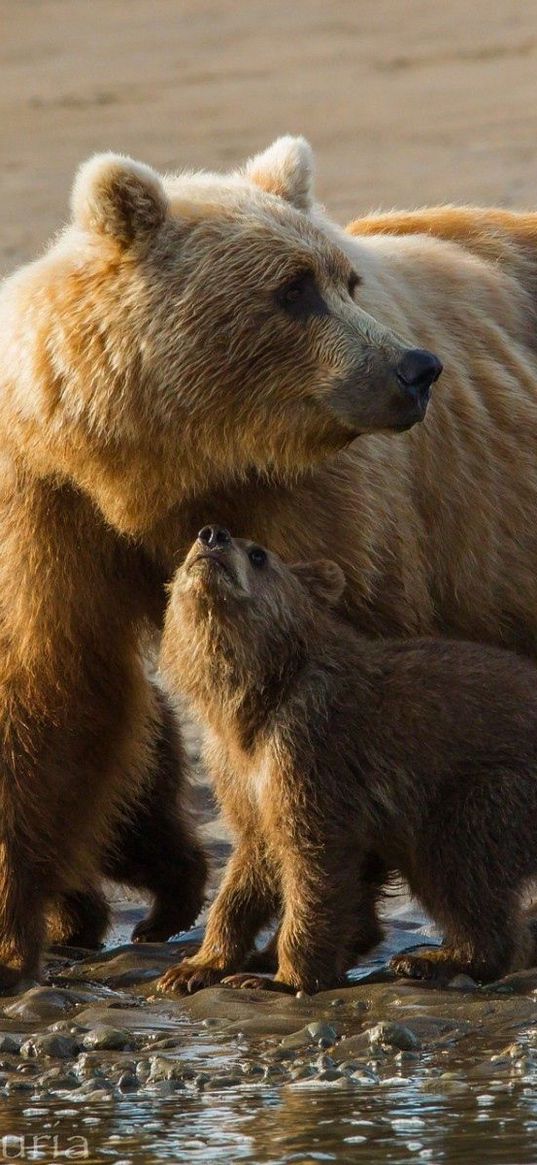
(323, 899)
(247, 900)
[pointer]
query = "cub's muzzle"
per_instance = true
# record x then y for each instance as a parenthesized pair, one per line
(213, 547)
(214, 538)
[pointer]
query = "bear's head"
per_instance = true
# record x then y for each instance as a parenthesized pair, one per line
(183, 331)
(240, 620)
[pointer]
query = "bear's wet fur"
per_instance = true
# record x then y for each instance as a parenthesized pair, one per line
(341, 762)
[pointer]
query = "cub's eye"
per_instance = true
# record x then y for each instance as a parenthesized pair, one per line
(354, 281)
(257, 556)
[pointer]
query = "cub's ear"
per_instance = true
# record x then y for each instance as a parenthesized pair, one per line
(324, 580)
(285, 169)
(112, 195)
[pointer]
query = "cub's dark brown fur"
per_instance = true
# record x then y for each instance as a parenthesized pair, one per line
(339, 761)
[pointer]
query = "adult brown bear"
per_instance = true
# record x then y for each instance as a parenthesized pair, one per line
(197, 345)
(173, 338)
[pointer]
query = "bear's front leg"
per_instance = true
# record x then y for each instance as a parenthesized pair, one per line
(247, 900)
(22, 915)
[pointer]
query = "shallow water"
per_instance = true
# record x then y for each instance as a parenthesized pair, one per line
(449, 1076)
(275, 1127)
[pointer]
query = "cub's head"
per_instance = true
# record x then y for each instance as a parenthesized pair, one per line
(185, 330)
(237, 608)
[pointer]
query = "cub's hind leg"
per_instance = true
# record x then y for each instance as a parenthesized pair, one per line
(473, 891)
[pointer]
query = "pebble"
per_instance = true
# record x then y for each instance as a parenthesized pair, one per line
(302, 1072)
(298, 1039)
(49, 1044)
(88, 1087)
(158, 1041)
(317, 1032)
(462, 983)
(162, 1069)
(201, 1080)
(215, 1083)
(94, 1097)
(42, 1003)
(251, 1069)
(86, 1066)
(163, 1087)
(324, 1032)
(18, 1085)
(61, 1084)
(57, 1078)
(128, 1082)
(393, 1035)
(105, 1038)
(406, 1058)
(67, 1027)
(9, 1043)
(364, 1077)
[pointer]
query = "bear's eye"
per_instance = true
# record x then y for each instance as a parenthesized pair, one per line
(300, 297)
(293, 292)
(257, 556)
(354, 282)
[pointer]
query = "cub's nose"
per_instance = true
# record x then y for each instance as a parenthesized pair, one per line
(215, 537)
(416, 372)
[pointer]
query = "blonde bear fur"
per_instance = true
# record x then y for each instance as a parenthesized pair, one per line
(201, 344)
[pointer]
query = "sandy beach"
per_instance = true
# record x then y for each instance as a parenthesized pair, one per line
(406, 102)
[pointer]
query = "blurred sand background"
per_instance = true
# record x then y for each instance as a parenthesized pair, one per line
(406, 102)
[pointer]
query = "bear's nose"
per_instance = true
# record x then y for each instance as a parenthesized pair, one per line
(416, 372)
(215, 537)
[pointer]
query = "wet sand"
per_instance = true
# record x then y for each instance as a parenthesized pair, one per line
(378, 1072)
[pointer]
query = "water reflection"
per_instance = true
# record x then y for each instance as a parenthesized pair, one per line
(397, 1121)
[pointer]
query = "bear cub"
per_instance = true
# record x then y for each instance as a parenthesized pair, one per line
(339, 762)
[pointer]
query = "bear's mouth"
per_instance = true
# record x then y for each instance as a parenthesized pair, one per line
(216, 564)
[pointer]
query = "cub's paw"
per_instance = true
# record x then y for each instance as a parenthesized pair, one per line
(187, 977)
(248, 982)
(433, 966)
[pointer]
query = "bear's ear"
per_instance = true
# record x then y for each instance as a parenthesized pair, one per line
(285, 169)
(115, 196)
(324, 580)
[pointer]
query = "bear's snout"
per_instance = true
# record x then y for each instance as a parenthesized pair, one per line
(416, 373)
